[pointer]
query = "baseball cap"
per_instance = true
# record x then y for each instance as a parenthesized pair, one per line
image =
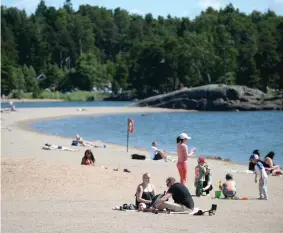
(229, 176)
(184, 136)
(254, 156)
(201, 160)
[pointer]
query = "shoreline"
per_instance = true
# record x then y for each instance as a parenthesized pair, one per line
(25, 126)
(32, 100)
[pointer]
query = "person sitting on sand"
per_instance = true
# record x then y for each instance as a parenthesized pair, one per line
(88, 158)
(82, 142)
(12, 106)
(229, 187)
(200, 176)
(183, 200)
(207, 184)
(48, 146)
(274, 169)
(155, 153)
(145, 193)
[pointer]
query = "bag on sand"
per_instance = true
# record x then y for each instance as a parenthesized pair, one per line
(138, 157)
(75, 143)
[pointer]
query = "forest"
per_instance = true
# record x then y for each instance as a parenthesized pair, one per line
(65, 49)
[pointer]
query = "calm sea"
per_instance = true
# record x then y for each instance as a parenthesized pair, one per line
(231, 135)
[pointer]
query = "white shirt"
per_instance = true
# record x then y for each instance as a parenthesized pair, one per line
(259, 169)
(152, 152)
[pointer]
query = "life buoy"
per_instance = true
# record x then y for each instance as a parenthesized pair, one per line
(131, 125)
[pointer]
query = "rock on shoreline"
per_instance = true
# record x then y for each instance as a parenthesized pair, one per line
(216, 97)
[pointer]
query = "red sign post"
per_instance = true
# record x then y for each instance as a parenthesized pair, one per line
(130, 129)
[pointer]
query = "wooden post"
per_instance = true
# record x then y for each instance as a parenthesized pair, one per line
(128, 134)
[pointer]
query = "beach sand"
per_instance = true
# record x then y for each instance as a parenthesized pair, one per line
(49, 191)
(30, 100)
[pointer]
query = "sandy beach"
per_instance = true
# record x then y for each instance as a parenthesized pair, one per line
(49, 191)
(30, 100)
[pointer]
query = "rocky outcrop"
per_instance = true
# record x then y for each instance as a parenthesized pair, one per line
(215, 97)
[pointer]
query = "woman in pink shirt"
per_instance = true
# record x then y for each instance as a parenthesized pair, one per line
(182, 151)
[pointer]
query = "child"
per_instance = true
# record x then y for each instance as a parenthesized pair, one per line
(199, 176)
(260, 171)
(207, 184)
(88, 158)
(229, 187)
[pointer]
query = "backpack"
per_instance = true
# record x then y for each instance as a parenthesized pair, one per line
(138, 157)
(75, 143)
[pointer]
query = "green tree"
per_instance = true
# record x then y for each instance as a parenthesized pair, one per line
(89, 73)
(30, 78)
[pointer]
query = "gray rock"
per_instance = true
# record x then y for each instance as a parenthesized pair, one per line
(215, 97)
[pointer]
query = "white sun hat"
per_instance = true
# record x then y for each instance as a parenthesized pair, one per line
(184, 136)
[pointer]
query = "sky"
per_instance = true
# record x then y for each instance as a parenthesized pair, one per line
(178, 8)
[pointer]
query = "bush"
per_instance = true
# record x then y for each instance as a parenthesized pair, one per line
(71, 96)
(17, 94)
(36, 93)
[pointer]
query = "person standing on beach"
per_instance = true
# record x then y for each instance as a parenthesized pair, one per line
(182, 151)
(261, 173)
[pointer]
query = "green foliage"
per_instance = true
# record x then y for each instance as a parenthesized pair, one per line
(89, 73)
(30, 78)
(69, 96)
(77, 50)
(36, 93)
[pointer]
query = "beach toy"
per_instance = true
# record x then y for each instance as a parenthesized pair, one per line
(105, 167)
(244, 198)
(218, 193)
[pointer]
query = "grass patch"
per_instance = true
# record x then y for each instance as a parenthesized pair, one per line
(72, 96)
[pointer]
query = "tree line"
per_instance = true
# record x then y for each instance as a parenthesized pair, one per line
(64, 49)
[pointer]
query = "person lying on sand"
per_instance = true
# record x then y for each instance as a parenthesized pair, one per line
(145, 193)
(56, 147)
(82, 142)
(183, 201)
(81, 109)
(88, 158)
(155, 153)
